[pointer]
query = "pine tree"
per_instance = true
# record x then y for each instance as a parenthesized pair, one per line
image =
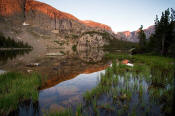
(142, 38)
(162, 41)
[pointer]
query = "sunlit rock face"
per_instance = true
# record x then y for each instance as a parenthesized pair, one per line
(12, 10)
(45, 16)
(11, 7)
(97, 25)
(133, 36)
(38, 13)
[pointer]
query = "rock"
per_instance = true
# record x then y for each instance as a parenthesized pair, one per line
(55, 31)
(19, 38)
(33, 65)
(73, 99)
(125, 61)
(29, 71)
(67, 90)
(56, 108)
(91, 41)
(129, 64)
(54, 54)
(25, 24)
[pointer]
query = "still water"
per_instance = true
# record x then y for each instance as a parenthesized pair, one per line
(67, 78)
(134, 90)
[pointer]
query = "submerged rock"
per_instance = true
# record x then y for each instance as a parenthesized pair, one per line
(33, 65)
(56, 108)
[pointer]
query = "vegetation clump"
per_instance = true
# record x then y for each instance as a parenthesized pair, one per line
(16, 88)
(74, 48)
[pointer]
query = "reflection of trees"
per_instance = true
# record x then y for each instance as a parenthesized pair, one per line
(6, 55)
(91, 55)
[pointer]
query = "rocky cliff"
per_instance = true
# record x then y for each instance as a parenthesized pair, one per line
(12, 9)
(42, 15)
(133, 36)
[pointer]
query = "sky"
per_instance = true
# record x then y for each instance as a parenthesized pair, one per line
(120, 15)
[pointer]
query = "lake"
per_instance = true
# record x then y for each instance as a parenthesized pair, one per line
(113, 88)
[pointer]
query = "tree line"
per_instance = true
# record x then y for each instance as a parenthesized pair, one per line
(11, 43)
(162, 41)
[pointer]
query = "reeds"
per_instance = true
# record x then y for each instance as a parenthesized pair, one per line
(151, 78)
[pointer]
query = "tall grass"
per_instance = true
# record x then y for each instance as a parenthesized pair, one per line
(132, 90)
(17, 87)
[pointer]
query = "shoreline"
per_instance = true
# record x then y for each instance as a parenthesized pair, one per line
(4, 49)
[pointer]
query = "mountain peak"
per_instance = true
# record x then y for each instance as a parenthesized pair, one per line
(48, 10)
(96, 24)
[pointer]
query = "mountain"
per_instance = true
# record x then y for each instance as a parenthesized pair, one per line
(96, 24)
(44, 16)
(133, 36)
(44, 27)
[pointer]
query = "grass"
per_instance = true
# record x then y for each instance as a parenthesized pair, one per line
(16, 88)
(116, 83)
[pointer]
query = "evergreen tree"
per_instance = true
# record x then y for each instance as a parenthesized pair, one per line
(162, 41)
(142, 38)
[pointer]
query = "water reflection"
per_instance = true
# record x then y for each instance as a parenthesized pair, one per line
(27, 108)
(6, 55)
(91, 55)
(68, 77)
(68, 93)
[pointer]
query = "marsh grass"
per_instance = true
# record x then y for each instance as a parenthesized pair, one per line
(156, 72)
(133, 90)
(16, 88)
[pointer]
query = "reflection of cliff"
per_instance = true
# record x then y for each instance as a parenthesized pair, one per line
(90, 55)
(70, 68)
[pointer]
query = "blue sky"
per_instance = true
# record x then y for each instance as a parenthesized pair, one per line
(120, 15)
